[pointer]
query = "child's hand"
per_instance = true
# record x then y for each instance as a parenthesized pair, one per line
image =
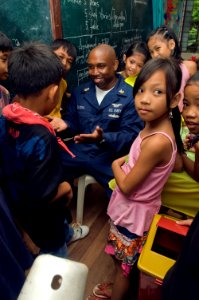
(190, 141)
(57, 123)
(187, 222)
(119, 162)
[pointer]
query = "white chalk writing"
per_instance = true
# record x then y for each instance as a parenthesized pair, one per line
(82, 74)
(78, 2)
(140, 2)
(112, 23)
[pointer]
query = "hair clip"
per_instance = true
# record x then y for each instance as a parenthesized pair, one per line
(170, 115)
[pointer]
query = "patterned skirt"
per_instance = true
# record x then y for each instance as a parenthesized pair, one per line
(125, 249)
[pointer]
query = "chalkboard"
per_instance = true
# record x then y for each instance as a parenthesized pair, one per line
(87, 23)
(26, 20)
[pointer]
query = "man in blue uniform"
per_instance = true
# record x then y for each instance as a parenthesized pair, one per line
(101, 118)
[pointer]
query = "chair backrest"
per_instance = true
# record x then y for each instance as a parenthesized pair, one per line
(54, 278)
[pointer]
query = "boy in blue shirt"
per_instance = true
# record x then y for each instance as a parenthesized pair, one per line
(30, 151)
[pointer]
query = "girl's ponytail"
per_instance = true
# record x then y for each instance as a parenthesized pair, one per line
(176, 124)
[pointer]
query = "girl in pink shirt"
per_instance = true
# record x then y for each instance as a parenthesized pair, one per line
(140, 179)
(162, 42)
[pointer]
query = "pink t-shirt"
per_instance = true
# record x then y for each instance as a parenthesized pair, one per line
(136, 211)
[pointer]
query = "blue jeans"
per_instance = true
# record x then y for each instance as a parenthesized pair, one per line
(61, 251)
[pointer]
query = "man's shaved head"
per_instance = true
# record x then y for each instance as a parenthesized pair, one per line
(104, 49)
(102, 66)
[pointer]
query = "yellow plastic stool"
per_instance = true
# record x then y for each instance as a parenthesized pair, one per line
(161, 241)
(163, 244)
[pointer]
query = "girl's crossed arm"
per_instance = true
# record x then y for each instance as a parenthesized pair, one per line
(155, 150)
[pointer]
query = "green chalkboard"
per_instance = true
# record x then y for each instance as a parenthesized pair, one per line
(25, 20)
(118, 23)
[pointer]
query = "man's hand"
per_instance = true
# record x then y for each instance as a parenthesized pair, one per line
(95, 136)
(57, 123)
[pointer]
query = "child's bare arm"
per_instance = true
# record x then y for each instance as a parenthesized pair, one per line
(155, 150)
(116, 167)
(178, 167)
(188, 165)
(192, 168)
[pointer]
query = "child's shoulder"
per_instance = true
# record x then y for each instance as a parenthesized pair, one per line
(191, 66)
(158, 140)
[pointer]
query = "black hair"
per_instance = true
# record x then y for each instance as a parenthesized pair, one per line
(5, 43)
(32, 68)
(139, 47)
(66, 45)
(167, 34)
(173, 76)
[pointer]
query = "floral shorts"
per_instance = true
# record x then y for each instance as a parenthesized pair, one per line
(125, 249)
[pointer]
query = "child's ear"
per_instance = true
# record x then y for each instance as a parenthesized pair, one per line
(124, 58)
(175, 100)
(172, 44)
(53, 89)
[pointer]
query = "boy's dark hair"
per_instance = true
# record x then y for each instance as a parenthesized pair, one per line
(5, 43)
(32, 68)
(173, 76)
(167, 34)
(139, 47)
(66, 45)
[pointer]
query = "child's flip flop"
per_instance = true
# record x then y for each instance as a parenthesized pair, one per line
(103, 290)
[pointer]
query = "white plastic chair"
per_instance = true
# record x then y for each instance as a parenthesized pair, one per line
(54, 278)
(83, 182)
